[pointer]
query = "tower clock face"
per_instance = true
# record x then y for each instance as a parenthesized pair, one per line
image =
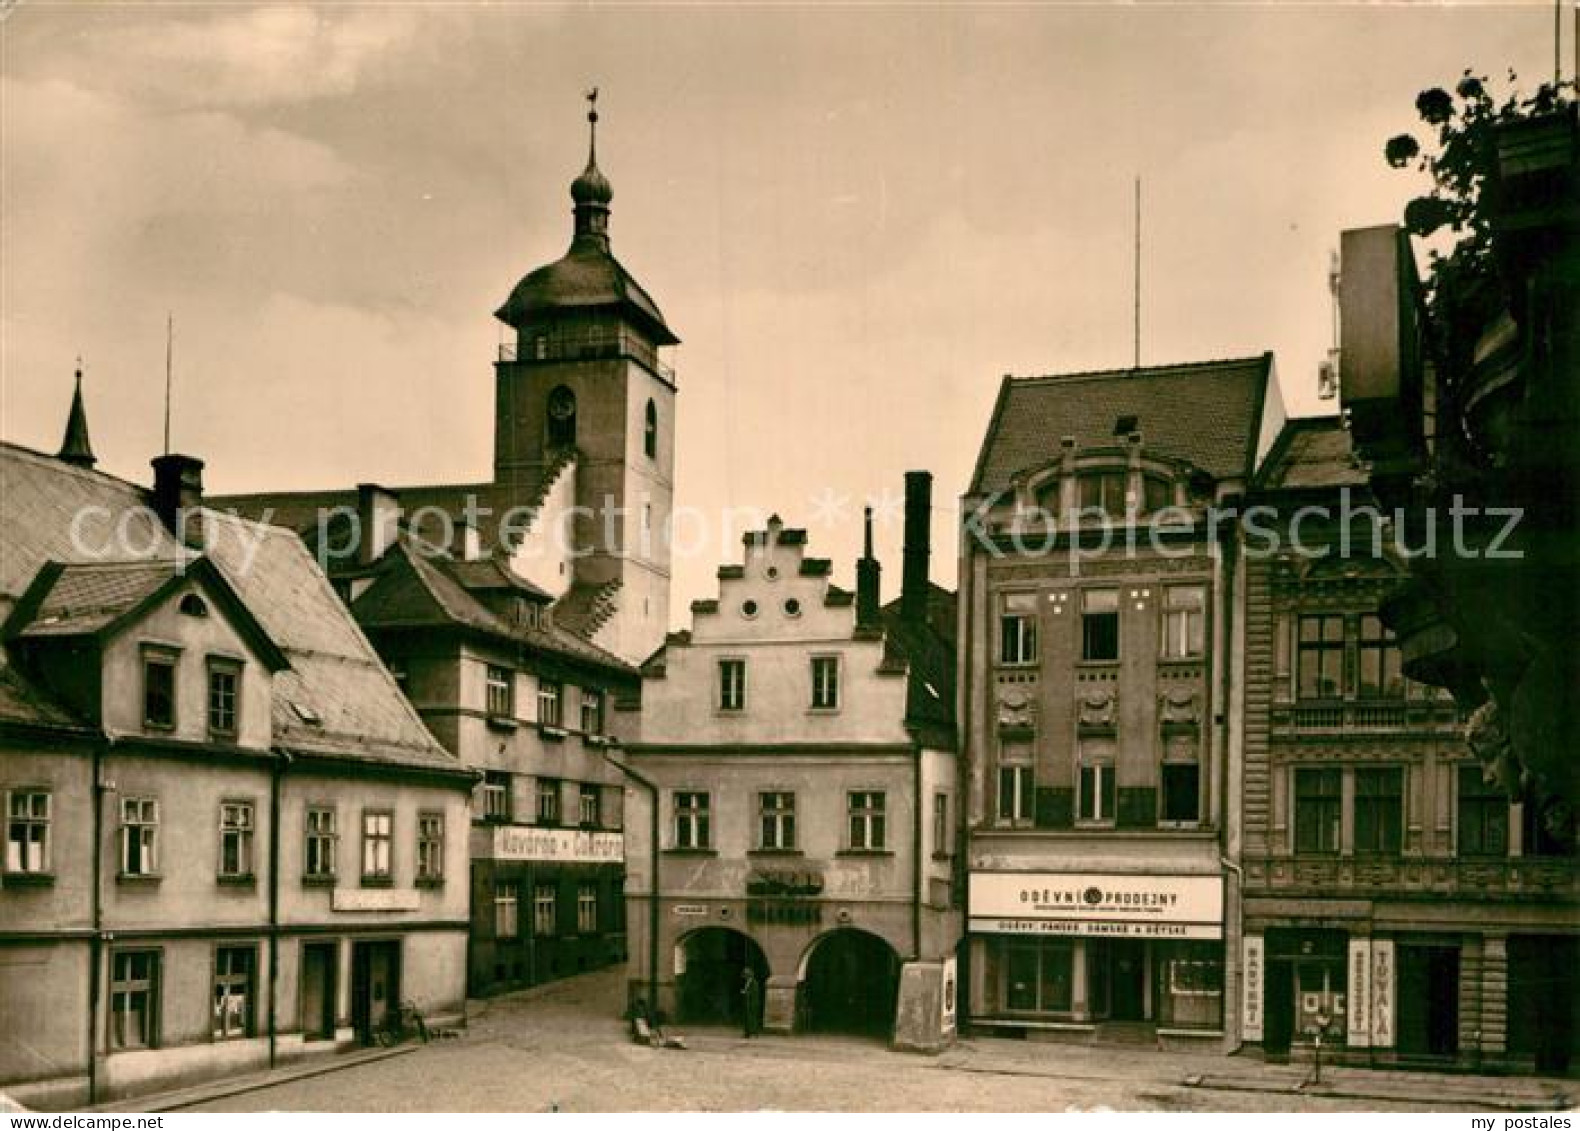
(562, 404)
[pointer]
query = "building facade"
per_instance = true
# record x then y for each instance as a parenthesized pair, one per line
(229, 840)
(1098, 707)
(529, 705)
(518, 608)
(1397, 903)
(794, 768)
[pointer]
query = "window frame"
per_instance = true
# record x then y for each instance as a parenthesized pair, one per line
(244, 835)
(650, 430)
(380, 873)
(125, 986)
(825, 672)
(589, 800)
(547, 802)
(1184, 627)
(592, 711)
(30, 820)
(430, 847)
(1378, 812)
(731, 685)
(219, 1025)
(1018, 643)
(1103, 792)
(507, 909)
(866, 823)
(1309, 804)
(943, 838)
(1487, 800)
(1105, 479)
(143, 831)
(776, 820)
(168, 660)
(1374, 642)
(322, 842)
(1096, 621)
(551, 703)
(692, 817)
(496, 786)
(226, 668)
(587, 909)
(545, 910)
(1324, 649)
(499, 691)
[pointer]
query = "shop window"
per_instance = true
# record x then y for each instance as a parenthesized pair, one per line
(1318, 801)
(1320, 661)
(1380, 676)
(1379, 810)
(1038, 976)
(1184, 621)
(1018, 629)
(776, 821)
(1100, 624)
(233, 991)
(1191, 984)
(134, 999)
(507, 909)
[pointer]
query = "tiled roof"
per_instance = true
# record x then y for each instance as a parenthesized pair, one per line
(1312, 453)
(335, 677)
(22, 702)
(419, 587)
(928, 655)
(1207, 414)
(89, 597)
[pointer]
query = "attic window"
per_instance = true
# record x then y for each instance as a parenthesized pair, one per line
(1126, 424)
(193, 605)
(306, 714)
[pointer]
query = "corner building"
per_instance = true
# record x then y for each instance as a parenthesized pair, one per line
(1097, 703)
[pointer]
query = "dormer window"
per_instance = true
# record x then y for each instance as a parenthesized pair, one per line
(193, 606)
(159, 688)
(1103, 491)
(1156, 493)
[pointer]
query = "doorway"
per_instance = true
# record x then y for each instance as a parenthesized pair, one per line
(319, 962)
(375, 987)
(1428, 998)
(1127, 980)
(852, 979)
(712, 962)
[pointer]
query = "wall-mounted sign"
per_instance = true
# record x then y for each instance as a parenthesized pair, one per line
(567, 846)
(1251, 977)
(1179, 907)
(1358, 1034)
(375, 899)
(689, 910)
(1382, 993)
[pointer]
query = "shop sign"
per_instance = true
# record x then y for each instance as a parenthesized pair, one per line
(1181, 907)
(946, 1022)
(1382, 993)
(784, 912)
(1251, 966)
(1359, 1033)
(564, 846)
(375, 899)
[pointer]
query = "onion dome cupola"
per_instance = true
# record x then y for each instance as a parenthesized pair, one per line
(75, 448)
(587, 279)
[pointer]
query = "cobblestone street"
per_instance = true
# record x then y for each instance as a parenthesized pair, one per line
(561, 1048)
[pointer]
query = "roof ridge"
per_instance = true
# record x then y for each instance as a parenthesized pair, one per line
(1138, 371)
(63, 467)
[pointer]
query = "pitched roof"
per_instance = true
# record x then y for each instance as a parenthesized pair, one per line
(419, 586)
(928, 654)
(1207, 414)
(335, 677)
(1312, 453)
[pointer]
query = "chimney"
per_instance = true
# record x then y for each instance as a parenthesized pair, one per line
(918, 544)
(868, 573)
(178, 496)
(378, 521)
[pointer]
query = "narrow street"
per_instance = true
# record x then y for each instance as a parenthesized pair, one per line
(562, 1048)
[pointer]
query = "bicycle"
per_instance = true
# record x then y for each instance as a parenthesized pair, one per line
(402, 1023)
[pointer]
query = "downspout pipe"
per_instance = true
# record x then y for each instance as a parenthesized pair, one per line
(96, 913)
(918, 808)
(281, 764)
(653, 863)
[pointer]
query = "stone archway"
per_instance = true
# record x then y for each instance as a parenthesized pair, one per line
(710, 967)
(850, 979)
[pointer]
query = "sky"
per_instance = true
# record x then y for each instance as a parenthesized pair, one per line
(856, 218)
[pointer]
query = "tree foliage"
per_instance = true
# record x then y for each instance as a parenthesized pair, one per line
(1462, 158)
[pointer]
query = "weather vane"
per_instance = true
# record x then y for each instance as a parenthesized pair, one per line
(592, 104)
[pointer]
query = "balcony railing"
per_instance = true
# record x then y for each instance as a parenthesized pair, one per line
(593, 345)
(1366, 716)
(1464, 877)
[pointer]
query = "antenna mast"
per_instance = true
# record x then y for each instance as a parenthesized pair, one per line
(1136, 364)
(170, 338)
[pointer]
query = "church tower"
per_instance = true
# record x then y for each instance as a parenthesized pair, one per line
(584, 431)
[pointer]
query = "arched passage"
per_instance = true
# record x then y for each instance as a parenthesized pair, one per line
(711, 963)
(850, 982)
